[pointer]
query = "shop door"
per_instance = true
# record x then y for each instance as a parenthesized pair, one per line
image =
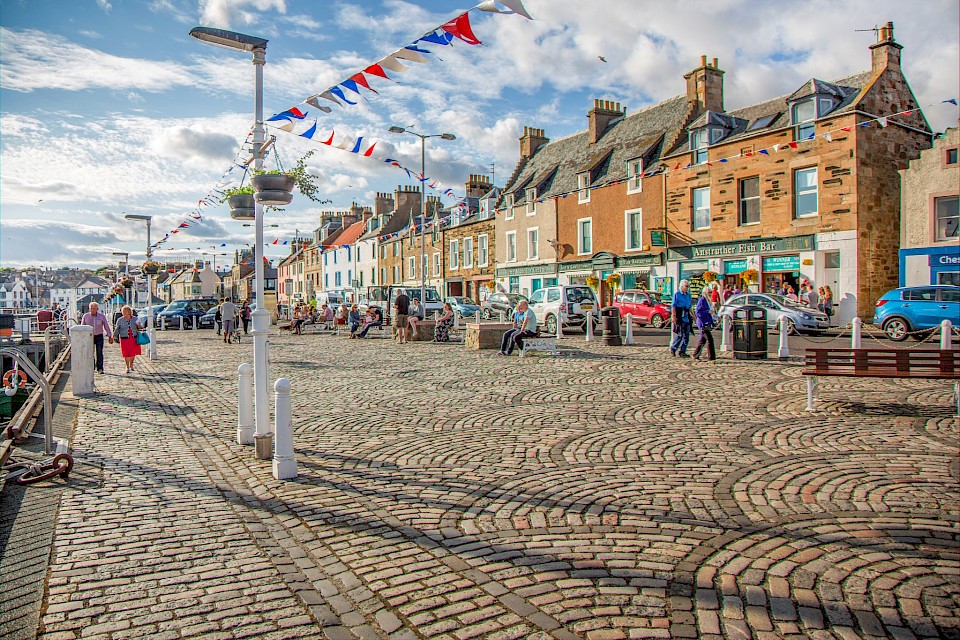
(535, 284)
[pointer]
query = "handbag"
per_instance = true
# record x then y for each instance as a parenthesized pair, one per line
(143, 338)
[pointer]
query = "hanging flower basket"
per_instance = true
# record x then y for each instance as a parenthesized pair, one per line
(710, 276)
(613, 281)
(750, 275)
(126, 283)
(273, 189)
(242, 206)
(593, 282)
(151, 268)
(491, 285)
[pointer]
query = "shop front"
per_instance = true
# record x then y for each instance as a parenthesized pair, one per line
(636, 271)
(527, 278)
(930, 265)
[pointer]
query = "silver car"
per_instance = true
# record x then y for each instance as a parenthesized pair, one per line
(799, 317)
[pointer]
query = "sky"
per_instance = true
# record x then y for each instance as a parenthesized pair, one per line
(109, 107)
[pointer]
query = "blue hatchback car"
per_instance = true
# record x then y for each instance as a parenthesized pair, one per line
(916, 309)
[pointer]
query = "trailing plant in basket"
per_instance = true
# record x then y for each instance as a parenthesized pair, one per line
(303, 180)
(237, 191)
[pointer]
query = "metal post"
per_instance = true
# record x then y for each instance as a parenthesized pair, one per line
(423, 218)
(456, 320)
(783, 352)
(181, 323)
(856, 333)
(284, 460)
(725, 339)
(245, 404)
(811, 383)
(260, 317)
(588, 325)
(194, 323)
(628, 338)
(946, 334)
(151, 328)
(46, 349)
(501, 316)
(478, 317)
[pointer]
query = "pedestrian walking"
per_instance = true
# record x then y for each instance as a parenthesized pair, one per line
(706, 321)
(125, 331)
(682, 325)
(827, 300)
(524, 326)
(813, 299)
(245, 313)
(218, 318)
(228, 312)
(401, 318)
(101, 330)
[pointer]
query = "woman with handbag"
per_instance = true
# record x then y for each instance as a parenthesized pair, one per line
(126, 331)
(706, 321)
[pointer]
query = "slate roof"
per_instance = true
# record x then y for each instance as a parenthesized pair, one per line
(555, 165)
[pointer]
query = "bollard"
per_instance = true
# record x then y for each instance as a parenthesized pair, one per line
(284, 460)
(725, 331)
(46, 350)
(560, 325)
(163, 325)
(81, 359)
(946, 334)
(245, 404)
(856, 333)
(478, 317)
(501, 316)
(784, 351)
(628, 338)
(194, 323)
(436, 316)
(456, 320)
(588, 326)
(181, 323)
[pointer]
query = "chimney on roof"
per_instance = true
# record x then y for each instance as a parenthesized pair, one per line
(383, 203)
(705, 87)
(885, 54)
(599, 118)
(531, 140)
(477, 186)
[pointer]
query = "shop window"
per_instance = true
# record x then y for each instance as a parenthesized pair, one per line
(635, 176)
(454, 255)
(952, 278)
(585, 236)
(511, 238)
(805, 200)
(750, 200)
(514, 281)
(947, 218)
(634, 229)
(831, 260)
(701, 209)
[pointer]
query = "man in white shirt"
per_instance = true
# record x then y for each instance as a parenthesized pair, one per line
(228, 312)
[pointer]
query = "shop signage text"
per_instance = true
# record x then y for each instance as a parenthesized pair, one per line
(640, 261)
(750, 247)
(944, 261)
(781, 263)
(733, 267)
(576, 265)
(528, 270)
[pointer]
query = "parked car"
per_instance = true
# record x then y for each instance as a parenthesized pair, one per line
(209, 319)
(645, 307)
(142, 314)
(498, 302)
(916, 309)
(569, 304)
(430, 304)
(188, 309)
(463, 307)
(799, 317)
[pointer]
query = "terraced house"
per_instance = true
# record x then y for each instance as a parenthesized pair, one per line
(802, 186)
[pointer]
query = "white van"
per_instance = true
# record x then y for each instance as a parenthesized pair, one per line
(570, 303)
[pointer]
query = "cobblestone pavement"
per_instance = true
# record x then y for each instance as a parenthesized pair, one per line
(607, 493)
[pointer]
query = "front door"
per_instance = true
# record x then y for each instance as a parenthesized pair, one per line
(535, 283)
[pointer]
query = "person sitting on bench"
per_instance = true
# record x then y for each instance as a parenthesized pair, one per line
(524, 326)
(374, 319)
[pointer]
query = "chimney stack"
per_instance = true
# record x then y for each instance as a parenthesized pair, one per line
(885, 54)
(531, 140)
(705, 87)
(599, 118)
(477, 186)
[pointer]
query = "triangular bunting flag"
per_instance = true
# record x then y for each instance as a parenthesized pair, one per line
(882, 122)
(391, 63)
(314, 102)
(309, 132)
(369, 151)
(828, 137)
(442, 38)
(460, 27)
(337, 92)
(327, 95)
(356, 147)
(847, 129)
(792, 145)
(329, 140)
(412, 56)
(362, 81)
(376, 70)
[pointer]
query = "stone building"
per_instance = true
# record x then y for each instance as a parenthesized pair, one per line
(929, 238)
(801, 187)
(468, 244)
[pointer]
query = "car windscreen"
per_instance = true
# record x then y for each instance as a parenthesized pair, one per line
(179, 305)
(579, 294)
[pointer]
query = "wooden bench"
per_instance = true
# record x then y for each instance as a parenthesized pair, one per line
(543, 343)
(882, 363)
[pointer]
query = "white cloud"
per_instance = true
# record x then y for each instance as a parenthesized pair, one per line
(227, 13)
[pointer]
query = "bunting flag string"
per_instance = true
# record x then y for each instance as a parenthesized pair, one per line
(400, 61)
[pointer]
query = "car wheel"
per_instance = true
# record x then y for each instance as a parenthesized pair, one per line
(486, 314)
(896, 329)
(657, 321)
(791, 328)
(551, 325)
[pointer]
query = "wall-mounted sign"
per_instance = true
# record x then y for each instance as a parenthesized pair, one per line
(749, 247)
(528, 270)
(575, 265)
(781, 263)
(944, 260)
(733, 267)
(640, 261)
(658, 239)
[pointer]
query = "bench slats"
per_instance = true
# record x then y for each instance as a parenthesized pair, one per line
(887, 363)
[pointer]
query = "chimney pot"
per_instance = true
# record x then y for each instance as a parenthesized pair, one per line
(716, 63)
(703, 61)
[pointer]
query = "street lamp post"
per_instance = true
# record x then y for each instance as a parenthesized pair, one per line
(423, 198)
(126, 265)
(261, 317)
(150, 329)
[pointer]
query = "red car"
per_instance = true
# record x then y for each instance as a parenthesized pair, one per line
(645, 306)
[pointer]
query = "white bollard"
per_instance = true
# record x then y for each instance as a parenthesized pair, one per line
(784, 351)
(856, 334)
(284, 460)
(163, 324)
(245, 404)
(181, 323)
(726, 334)
(946, 334)
(560, 325)
(81, 359)
(589, 327)
(501, 317)
(456, 320)
(194, 323)
(628, 339)
(478, 317)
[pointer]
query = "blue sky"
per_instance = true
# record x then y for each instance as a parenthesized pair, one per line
(108, 106)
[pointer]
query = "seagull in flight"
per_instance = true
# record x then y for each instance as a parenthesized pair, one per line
(601, 59)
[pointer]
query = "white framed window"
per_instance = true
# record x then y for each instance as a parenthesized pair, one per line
(436, 264)
(750, 200)
(585, 236)
(483, 250)
(467, 253)
(396, 248)
(583, 187)
(533, 243)
(701, 208)
(411, 267)
(635, 176)
(454, 255)
(511, 239)
(396, 273)
(508, 203)
(805, 201)
(699, 141)
(802, 115)
(531, 196)
(633, 229)
(946, 218)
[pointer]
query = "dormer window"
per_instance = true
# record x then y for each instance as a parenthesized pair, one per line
(802, 116)
(508, 204)
(635, 176)
(701, 138)
(531, 196)
(583, 187)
